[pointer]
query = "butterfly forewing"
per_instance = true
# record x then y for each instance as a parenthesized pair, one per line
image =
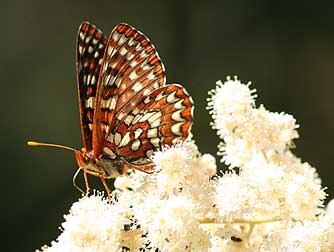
(90, 49)
(131, 69)
(161, 118)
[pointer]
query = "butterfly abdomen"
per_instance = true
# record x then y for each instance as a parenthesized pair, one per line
(104, 165)
(111, 168)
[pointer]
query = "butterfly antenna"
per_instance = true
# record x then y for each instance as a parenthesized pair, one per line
(31, 143)
(75, 184)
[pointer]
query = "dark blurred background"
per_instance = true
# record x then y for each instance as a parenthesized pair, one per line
(285, 49)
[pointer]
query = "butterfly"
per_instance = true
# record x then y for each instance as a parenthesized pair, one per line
(126, 109)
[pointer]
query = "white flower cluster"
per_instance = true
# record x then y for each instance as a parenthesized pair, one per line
(268, 201)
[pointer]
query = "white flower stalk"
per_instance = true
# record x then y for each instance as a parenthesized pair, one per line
(170, 223)
(308, 236)
(83, 232)
(271, 202)
(247, 130)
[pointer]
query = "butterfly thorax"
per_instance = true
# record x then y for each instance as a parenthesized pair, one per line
(102, 165)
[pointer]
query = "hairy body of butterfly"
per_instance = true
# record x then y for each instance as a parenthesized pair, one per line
(126, 110)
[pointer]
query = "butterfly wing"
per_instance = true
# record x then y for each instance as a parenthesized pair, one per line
(161, 118)
(90, 49)
(130, 69)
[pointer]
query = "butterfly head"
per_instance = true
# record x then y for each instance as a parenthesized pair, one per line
(87, 160)
(104, 165)
(82, 157)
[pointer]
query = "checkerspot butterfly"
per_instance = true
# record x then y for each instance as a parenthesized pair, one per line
(126, 109)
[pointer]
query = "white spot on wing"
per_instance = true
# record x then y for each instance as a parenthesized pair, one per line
(114, 65)
(118, 81)
(138, 132)
(117, 138)
(176, 128)
(93, 81)
(109, 152)
(175, 140)
(143, 54)
(110, 49)
(105, 66)
(107, 80)
(82, 35)
(155, 141)
(89, 76)
(147, 100)
(90, 102)
(137, 87)
(122, 40)
(146, 116)
(120, 115)
(176, 116)
(130, 57)
(133, 63)
(178, 105)
(88, 39)
(106, 127)
(146, 67)
(171, 98)
(135, 111)
(125, 139)
(149, 153)
(109, 103)
(156, 85)
(135, 145)
(115, 36)
(138, 47)
(156, 123)
(110, 138)
(128, 119)
(159, 96)
(155, 116)
(123, 51)
(133, 75)
(151, 76)
(137, 117)
(152, 133)
(131, 41)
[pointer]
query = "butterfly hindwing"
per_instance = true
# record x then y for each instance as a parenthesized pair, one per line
(90, 49)
(131, 69)
(161, 118)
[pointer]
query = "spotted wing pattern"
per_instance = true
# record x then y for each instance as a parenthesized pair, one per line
(131, 69)
(90, 49)
(161, 118)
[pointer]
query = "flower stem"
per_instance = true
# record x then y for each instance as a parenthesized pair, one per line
(236, 221)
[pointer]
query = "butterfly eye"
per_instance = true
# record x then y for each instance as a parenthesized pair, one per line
(85, 158)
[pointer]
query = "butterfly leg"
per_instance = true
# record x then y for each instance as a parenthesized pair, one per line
(75, 184)
(106, 187)
(86, 182)
(148, 168)
(123, 169)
